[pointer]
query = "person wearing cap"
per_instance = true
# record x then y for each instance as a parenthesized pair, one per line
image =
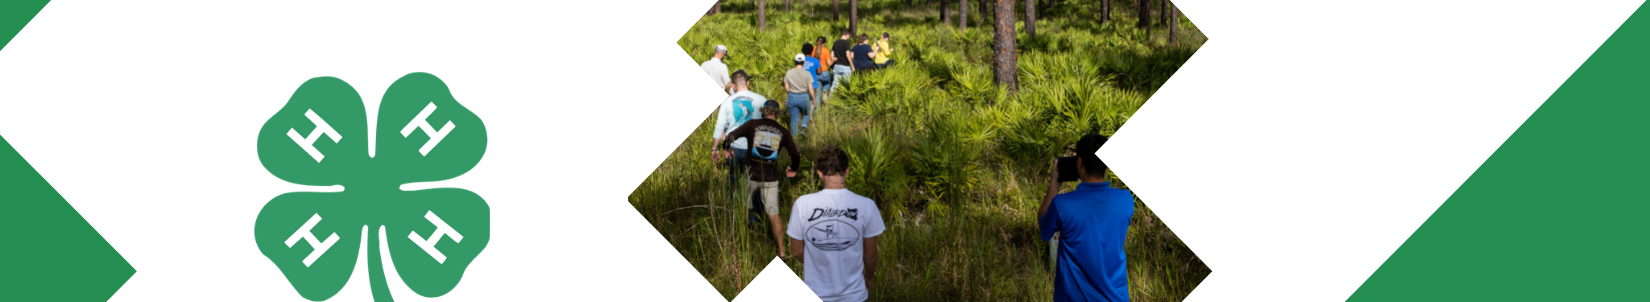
(800, 97)
(767, 137)
(736, 110)
(717, 70)
(842, 66)
(884, 53)
(1092, 222)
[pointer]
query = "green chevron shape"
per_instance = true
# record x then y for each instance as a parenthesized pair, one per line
(1559, 212)
(51, 252)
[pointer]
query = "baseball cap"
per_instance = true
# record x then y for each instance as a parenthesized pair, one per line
(801, 58)
(721, 48)
(771, 103)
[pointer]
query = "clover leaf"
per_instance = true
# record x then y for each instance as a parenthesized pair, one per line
(320, 138)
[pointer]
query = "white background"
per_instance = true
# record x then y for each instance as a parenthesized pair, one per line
(1293, 153)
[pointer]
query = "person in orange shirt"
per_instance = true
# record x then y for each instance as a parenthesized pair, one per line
(823, 53)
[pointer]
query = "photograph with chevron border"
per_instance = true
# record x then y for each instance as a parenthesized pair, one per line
(918, 150)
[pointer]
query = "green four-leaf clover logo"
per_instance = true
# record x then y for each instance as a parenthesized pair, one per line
(320, 138)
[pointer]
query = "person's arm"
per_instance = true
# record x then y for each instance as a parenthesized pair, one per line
(796, 250)
(742, 131)
(1053, 188)
(870, 262)
(789, 143)
(787, 85)
(723, 114)
(813, 98)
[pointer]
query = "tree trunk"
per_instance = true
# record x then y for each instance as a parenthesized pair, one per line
(945, 14)
(853, 16)
(1165, 13)
(987, 7)
(762, 14)
(787, 5)
(1105, 11)
(1005, 61)
(712, 10)
(1174, 22)
(1140, 13)
(1031, 19)
(962, 14)
(836, 10)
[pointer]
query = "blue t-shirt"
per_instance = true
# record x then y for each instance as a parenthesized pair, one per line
(812, 65)
(1093, 222)
(862, 56)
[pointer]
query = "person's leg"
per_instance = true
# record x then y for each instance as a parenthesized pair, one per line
(752, 189)
(807, 110)
(840, 74)
(796, 116)
(797, 104)
(770, 193)
(737, 179)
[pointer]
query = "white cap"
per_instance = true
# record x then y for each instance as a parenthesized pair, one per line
(720, 48)
(801, 58)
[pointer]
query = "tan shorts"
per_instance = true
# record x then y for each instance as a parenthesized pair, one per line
(770, 195)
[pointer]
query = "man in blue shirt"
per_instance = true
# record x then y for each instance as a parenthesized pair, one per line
(812, 64)
(1092, 222)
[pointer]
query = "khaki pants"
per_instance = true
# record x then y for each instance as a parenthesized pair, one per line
(770, 195)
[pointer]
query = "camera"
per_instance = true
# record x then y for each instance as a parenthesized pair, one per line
(1068, 168)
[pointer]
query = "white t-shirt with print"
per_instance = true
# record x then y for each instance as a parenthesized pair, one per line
(734, 112)
(833, 224)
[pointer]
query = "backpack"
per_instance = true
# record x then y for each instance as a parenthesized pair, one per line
(765, 144)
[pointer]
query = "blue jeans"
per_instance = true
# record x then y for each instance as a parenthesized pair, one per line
(840, 74)
(800, 108)
(736, 166)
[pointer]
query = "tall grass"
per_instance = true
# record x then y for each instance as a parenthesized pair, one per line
(956, 164)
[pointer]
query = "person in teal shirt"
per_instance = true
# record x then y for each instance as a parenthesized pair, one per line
(1092, 222)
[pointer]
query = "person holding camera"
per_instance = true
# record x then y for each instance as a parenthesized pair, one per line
(1087, 226)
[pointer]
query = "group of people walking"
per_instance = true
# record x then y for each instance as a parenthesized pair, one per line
(833, 232)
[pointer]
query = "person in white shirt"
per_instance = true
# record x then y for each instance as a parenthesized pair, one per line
(834, 234)
(718, 71)
(737, 109)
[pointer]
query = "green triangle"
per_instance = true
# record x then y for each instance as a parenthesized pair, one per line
(14, 14)
(1560, 211)
(51, 253)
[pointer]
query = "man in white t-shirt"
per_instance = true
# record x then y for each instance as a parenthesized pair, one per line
(717, 70)
(737, 109)
(834, 234)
